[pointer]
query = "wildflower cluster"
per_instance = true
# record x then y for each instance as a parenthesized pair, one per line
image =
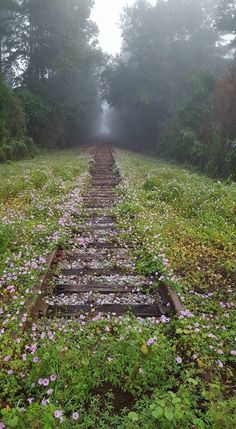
(173, 372)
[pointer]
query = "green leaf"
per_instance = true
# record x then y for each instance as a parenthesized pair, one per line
(158, 413)
(13, 422)
(144, 349)
(85, 362)
(176, 401)
(152, 407)
(169, 415)
(192, 381)
(161, 403)
(178, 415)
(133, 416)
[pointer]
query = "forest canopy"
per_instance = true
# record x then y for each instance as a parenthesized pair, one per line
(173, 85)
(172, 88)
(48, 68)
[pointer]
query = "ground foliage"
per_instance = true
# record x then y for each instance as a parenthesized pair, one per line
(175, 373)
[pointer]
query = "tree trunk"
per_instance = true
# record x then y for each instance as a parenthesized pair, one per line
(0, 56)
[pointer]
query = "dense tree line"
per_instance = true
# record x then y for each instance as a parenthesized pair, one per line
(48, 67)
(173, 84)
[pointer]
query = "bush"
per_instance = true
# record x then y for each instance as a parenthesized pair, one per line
(12, 117)
(36, 112)
(172, 192)
(14, 144)
(150, 184)
(3, 157)
(39, 179)
(231, 159)
(17, 149)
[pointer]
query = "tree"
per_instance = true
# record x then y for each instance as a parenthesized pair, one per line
(8, 13)
(224, 97)
(163, 82)
(227, 19)
(163, 45)
(61, 61)
(50, 53)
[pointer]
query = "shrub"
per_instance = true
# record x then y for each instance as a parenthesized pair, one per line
(39, 179)
(231, 159)
(171, 192)
(36, 112)
(3, 157)
(12, 117)
(150, 184)
(14, 144)
(19, 149)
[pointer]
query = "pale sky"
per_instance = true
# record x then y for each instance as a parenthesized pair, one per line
(106, 14)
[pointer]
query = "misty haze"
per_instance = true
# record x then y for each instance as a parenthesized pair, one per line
(117, 214)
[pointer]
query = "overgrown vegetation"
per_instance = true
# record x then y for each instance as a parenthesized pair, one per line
(48, 55)
(173, 85)
(32, 198)
(174, 88)
(189, 215)
(174, 373)
(14, 143)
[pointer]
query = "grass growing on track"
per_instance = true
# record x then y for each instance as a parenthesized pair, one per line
(32, 206)
(178, 373)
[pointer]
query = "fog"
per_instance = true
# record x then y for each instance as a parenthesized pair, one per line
(105, 121)
(168, 88)
(106, 14)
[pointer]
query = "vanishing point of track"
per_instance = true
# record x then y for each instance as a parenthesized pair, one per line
(96, 273)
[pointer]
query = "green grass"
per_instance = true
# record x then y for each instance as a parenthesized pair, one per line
(32, 202)
(176, 373)
(18, 177)
(195, 217)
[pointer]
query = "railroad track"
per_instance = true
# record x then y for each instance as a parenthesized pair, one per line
(97, 275)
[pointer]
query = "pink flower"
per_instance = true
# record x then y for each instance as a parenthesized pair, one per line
(212, 336)
(36, 359)
(30, 400)
(34, 265)
(53, 377)
(58, 414)
(179, 359)
(151, 341)
(233, 352)
(75, 416)
(40, 381)
(50, 392)
(2, 426)
(45, 382)
(33, 348)
(219, 363)
(45, 402)
(164, 319)
(7, 358)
